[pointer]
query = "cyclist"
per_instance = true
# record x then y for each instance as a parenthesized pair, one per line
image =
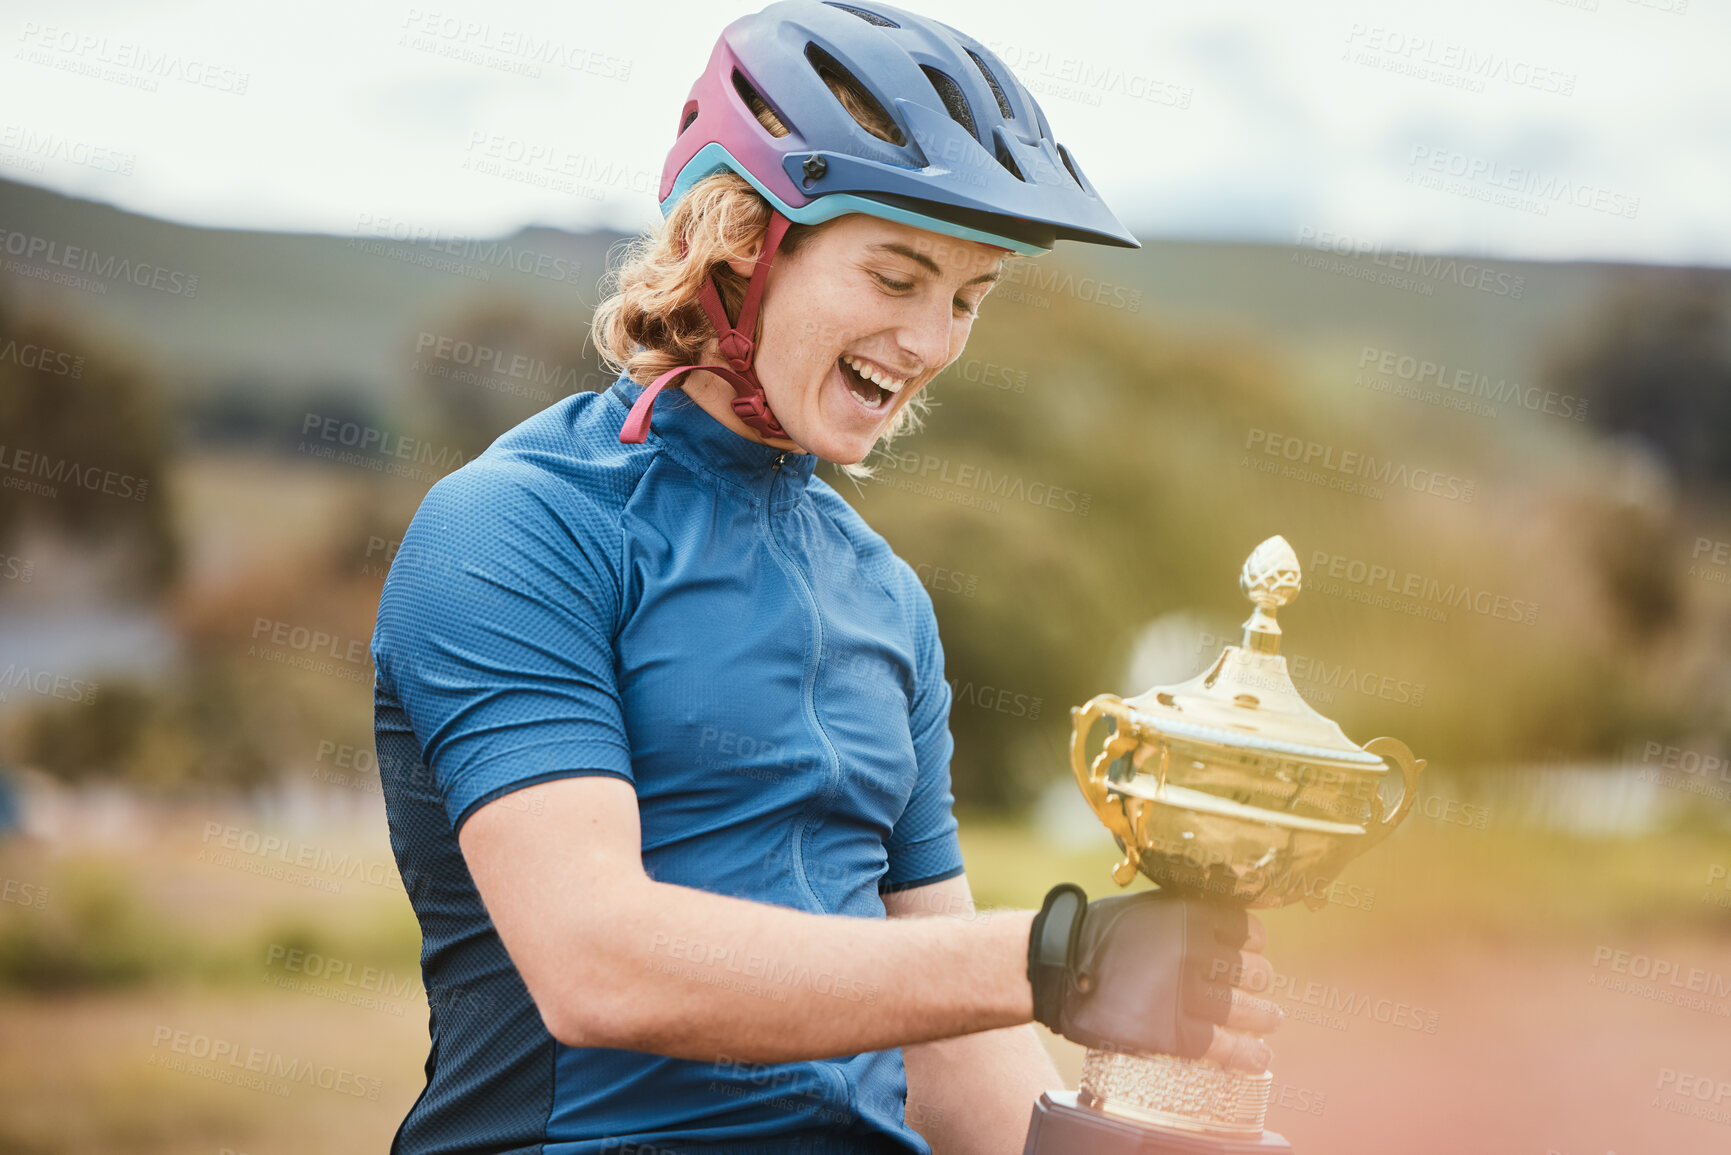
(663, 724)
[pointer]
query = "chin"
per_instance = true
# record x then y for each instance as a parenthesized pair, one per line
(840, 451)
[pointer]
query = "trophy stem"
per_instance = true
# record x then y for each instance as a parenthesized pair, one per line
(1181, 1094)
(1262, 632)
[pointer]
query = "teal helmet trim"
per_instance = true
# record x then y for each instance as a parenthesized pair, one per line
(713, 158)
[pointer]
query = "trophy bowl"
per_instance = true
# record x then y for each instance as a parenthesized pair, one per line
(1228, 786)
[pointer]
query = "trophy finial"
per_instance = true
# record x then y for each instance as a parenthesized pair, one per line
(1270, 579)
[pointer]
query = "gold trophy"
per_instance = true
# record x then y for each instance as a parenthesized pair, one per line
(1228, 786)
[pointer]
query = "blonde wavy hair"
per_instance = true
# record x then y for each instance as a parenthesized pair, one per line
(653, 321)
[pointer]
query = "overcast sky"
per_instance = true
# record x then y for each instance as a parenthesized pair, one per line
(1521, 128)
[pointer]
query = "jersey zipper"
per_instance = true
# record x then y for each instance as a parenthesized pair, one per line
(809, 689)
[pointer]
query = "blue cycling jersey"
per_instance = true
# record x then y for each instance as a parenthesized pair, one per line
(703, 617)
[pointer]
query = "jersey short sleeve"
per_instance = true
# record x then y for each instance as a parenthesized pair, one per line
(922, 847)
(494, 634)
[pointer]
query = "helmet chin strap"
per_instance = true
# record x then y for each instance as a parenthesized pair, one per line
(736, 344)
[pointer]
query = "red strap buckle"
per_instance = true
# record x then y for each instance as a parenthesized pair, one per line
(754, 411)
(737, 348)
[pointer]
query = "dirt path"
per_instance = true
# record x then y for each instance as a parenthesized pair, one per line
(154, 1073)
(1498, 1051)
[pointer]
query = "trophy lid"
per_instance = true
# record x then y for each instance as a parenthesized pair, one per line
(1246, 699)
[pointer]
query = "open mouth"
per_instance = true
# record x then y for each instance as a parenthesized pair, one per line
(869, 393)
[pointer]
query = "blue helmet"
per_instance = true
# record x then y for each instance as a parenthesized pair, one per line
(972, 155)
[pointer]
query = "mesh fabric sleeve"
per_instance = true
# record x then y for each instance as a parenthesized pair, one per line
(494, 633)
(923, 847)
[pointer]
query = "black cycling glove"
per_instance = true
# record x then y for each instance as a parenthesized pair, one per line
(1148, 972)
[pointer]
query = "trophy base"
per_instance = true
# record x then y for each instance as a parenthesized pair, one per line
(1061, 1127)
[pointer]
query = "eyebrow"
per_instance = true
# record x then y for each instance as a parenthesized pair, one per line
(926, 262)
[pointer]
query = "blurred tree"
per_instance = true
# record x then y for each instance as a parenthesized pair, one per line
(84, 420)
(79, 741)
(1631, 550)
(494, 363)
(364, 540)
(1092, 427)
(1657, 365)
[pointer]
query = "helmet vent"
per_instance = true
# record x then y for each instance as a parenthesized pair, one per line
(854, 97)
(951, 94)
(759, 107)
(1008, 161)
(685, 121)
(997, 90)
(1070, 164)
(868, 17)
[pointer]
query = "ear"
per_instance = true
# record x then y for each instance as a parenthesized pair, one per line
(747, 264)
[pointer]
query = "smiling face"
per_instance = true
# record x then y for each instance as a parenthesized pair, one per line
(854, 324)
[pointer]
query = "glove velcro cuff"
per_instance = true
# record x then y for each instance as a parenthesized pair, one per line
(1052, 948)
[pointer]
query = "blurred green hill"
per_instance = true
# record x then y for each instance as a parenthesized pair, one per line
(295, 309)
(1502, 544)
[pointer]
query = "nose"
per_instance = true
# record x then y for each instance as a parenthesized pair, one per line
(926, 334)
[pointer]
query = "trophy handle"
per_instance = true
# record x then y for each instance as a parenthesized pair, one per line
(1410, 768)
(1091, 775)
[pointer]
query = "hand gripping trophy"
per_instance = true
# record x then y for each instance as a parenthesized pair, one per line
(1226, 787)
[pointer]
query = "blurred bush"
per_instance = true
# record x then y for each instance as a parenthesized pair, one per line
(196, 726)
(93, 928)
(92, 931)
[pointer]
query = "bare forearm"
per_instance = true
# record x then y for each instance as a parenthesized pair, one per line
(974, 1095)
(696, 975)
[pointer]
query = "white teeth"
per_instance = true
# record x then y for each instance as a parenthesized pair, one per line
(882, 380)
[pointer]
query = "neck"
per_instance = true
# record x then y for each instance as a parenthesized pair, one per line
(715, 397)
